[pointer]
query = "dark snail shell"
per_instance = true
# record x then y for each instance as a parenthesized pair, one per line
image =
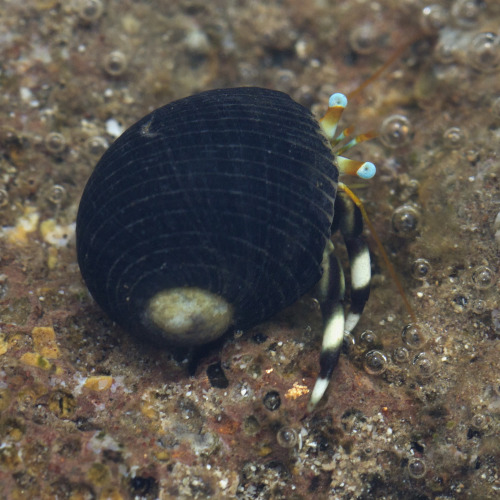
(227, 195)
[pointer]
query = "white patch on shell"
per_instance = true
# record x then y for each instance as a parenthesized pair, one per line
(190, 315)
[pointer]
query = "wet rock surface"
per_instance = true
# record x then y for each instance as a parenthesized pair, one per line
(412, 411)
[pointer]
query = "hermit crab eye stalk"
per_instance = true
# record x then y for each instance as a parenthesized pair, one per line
(329, 122)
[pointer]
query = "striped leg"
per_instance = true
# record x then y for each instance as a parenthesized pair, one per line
(331, 289)
(349, 220)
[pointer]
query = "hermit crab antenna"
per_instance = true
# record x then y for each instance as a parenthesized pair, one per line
(329, 122)
(388, 63)
(343, 135)
(367, 136)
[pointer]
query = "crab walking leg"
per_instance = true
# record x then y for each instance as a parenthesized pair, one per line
(349, 220)
(331, 289)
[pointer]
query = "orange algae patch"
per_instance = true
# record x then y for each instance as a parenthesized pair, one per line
(44, 338)
(296, 391)
(4, 346)
(36, 360)
(99, 383)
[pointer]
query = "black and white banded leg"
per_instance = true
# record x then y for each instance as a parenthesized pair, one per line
(350, 223)
(331, 289)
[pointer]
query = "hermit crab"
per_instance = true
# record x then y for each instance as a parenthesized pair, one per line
(216, 211)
